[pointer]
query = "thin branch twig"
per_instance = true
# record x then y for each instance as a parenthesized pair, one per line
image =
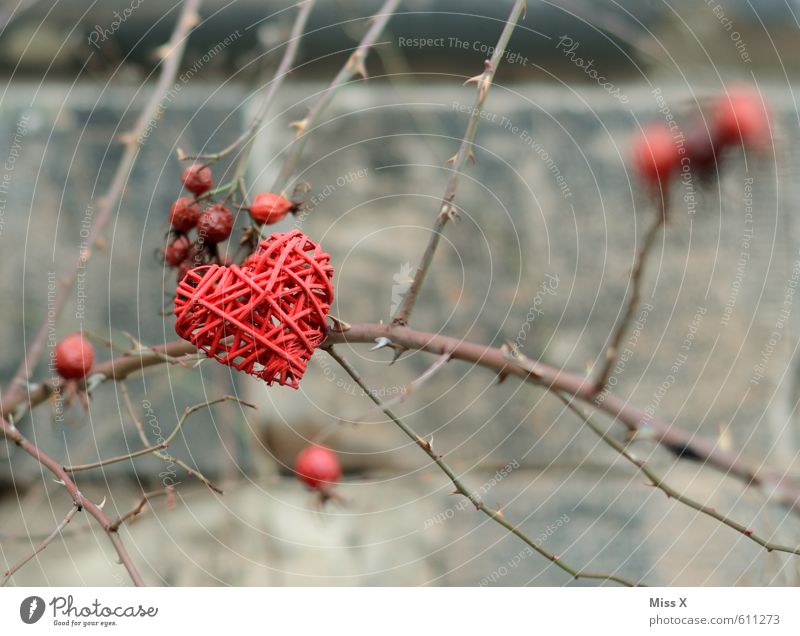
(137, 509)
(447, 210)
(462, 489)
(284, 68)
(171, 57)
(354, 65)
(42, 546)
(659, 482)
(612, 353)
(156, 449)
(12, 434)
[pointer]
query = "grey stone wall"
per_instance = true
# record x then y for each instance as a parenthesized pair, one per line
(550, 219)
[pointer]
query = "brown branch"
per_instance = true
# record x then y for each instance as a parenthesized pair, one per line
(447, 210)
(612, 353)
(682, 442)
(659, 482)
(461, 488)
(172, 54)
(13, 434)
(168, 492)
(157, 448)
(353, 66)
(284, 68)
(42, 546)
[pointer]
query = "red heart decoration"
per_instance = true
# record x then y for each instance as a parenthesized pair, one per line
(264, 318)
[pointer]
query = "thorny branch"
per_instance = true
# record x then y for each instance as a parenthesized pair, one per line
(171, 55)
(447, 210)
(41, 547)
(462, 489)
(658, 482)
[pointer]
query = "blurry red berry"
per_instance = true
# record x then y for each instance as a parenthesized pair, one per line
(183, 214)
(215, 223)
(74, 357)
(655, 154)
(317, 467)
(740, 117)
(270, 208)
(177, 251)
(183, 268)
(197, 179)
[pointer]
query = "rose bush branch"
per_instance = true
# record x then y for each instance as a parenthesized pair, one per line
(171, 56)
(13, 435)
(683, 443)
(157, 449)
(284, 68)
(447, 209)
(658, 482)
(355, 65)
(42, 546)
(462, 489)
(612, 353)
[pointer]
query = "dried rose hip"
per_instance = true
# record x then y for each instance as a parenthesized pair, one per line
(183, 214)
(215, 223)
(270, 208)
(177, 251)
(197, 179)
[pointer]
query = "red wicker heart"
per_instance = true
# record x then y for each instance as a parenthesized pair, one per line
(264, 318)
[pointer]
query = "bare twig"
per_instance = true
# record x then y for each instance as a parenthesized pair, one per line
(12, 434)
(462, 489)
(447, 209)
(134, 512)
(354, 65)
(659, 482)
(157, 448)
(172, 53)
(612, 353)
(284, 68)
(39, 548)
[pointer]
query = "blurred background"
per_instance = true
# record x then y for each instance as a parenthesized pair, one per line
(550, 215)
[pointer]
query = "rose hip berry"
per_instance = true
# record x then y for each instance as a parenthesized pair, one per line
(740, 117)
(197, 179)
(183, 214)
(177, 251)
(183, 269)
(74, 357)
(215, 223)
(317, 467)
(655, 154)
(270, 208)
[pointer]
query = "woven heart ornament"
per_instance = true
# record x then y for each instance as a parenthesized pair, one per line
(264, 318)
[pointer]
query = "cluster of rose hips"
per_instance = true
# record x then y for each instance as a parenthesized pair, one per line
(213, 223)
(736, 118)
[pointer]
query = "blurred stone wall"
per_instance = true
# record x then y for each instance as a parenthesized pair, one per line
(541, 255)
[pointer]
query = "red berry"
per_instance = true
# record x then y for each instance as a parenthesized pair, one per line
(215, 223)
(74, 357)
(740, 117)
(270, 208)
(183, 214)
(183, 269)
(655, 154)
(177, 251)
(317, 467)
(197, 179)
